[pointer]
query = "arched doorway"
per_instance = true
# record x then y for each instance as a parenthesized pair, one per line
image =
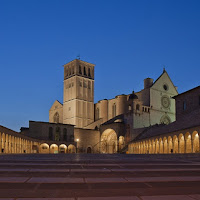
(89, 150)
(109, 141)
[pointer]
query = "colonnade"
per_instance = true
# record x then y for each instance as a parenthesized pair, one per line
(177, 143)
(16, 144)
(54, 148)
(11, 143)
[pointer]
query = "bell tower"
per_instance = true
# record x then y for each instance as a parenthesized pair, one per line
(78, 95)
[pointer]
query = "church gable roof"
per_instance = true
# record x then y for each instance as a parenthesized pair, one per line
(56, 103)
(162, 80)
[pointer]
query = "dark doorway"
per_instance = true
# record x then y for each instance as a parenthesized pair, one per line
(89, 150)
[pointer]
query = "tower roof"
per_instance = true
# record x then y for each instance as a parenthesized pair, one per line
(79, 61)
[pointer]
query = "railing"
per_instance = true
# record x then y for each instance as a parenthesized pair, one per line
(96, 145)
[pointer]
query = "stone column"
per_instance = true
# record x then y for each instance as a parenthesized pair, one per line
(192, 145)
(185, 147)
(178, 146)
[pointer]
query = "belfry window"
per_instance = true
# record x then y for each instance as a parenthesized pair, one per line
(85, 72)
(66, 72)
(89, 74)
(80, 71)
(137, 107)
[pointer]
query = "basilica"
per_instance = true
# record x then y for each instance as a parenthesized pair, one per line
(146, 121)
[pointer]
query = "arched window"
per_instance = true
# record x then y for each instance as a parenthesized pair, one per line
(57, 134)
(85, 72)
(66, 72)
(70, 71)
(137, 107)
(114, 110)
(71, 138)
(56, 118)
(89, 74)
(184, 105)
(97, 114)
(80, 71)
(50, 133)
(64, 134)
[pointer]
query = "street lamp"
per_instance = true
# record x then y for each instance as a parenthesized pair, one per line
(77, 140)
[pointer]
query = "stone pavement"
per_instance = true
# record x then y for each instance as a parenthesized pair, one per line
(100, 177)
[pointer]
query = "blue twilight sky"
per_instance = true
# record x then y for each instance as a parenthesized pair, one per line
(128, 40)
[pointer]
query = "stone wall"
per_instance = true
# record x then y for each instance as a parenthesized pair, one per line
(87, 138)
(40, 130)
(191, 99)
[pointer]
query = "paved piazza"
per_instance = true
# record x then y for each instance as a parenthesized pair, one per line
(98, 176)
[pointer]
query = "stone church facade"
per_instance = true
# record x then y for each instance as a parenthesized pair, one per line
(154, 104)
(113, 121)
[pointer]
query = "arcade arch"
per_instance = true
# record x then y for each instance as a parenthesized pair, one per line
(187, 142)
(71, 148)
(53, 148)
(195, 141)
(62, 148)
(109, 141)
(44, 148)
